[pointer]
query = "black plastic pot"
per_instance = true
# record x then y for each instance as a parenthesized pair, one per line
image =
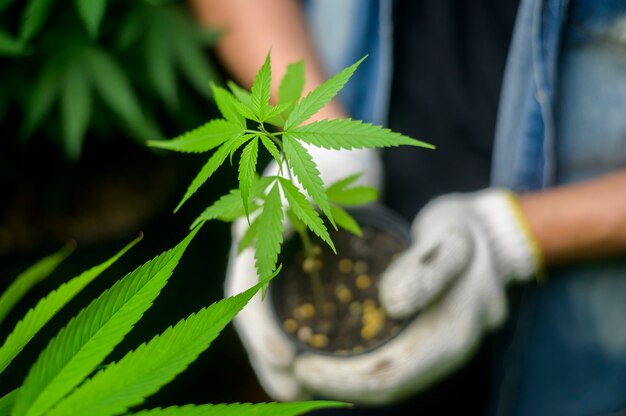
(350, 320)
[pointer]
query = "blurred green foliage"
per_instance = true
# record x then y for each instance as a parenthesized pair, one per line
(80, 68)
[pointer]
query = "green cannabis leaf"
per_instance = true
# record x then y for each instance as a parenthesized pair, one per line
(47, 307)
(319, 97)
(64, 379)
(9, 46)
(291, 86)
(307, 174)
(260, 93)
(7, 401)
(207, 170)
(250, 117)
(91, 12)
(271, 228)
(305, 212)
(33, 18)
(230, 206)
(76, 102)
(82, 345)
(143, 371)
(73, 77)
(114, 87)
(29, 278)
(342, 193)
(351, 134)
(202, 139)
(345, 220)
(247, 170)
(235, 409)
(227, 104)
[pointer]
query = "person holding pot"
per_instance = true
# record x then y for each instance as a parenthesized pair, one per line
(553, 216)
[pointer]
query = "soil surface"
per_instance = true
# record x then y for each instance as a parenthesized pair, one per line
(351, 319)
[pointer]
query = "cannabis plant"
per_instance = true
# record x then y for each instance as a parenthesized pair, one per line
(99, 68)
(251, 122)
(68, 379)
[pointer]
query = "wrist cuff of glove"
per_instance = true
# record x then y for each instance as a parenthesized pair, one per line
(517, 250)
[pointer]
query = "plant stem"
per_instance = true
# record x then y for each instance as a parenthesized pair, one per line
(309, 252)
(316, 280)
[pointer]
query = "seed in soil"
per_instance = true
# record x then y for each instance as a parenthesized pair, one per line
(290, 325)
(318, 341)
(304, 334)
(360, 267)
(304, 311)
(370, 331)
(372, 312)
(343, 293)
(342, 322)
(363, 281)
(345, 266)
(373, 319)
(355, 308)
(310, 265)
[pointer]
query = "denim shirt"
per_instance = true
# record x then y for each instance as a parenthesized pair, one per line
(524, 146)
(525, 154)
(555, 92)
(344, 31)
(562, 119)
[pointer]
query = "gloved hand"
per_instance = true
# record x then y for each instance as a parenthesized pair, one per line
(466, 248)
(271, 353)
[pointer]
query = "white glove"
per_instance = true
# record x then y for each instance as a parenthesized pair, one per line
(271, 353)
(466, 248)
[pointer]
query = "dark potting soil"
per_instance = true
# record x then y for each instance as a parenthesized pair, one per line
(351, 319)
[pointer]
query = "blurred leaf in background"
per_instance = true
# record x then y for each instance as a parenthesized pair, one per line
(99, 67)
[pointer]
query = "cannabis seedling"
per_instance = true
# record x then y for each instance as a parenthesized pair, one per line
(251, 121)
